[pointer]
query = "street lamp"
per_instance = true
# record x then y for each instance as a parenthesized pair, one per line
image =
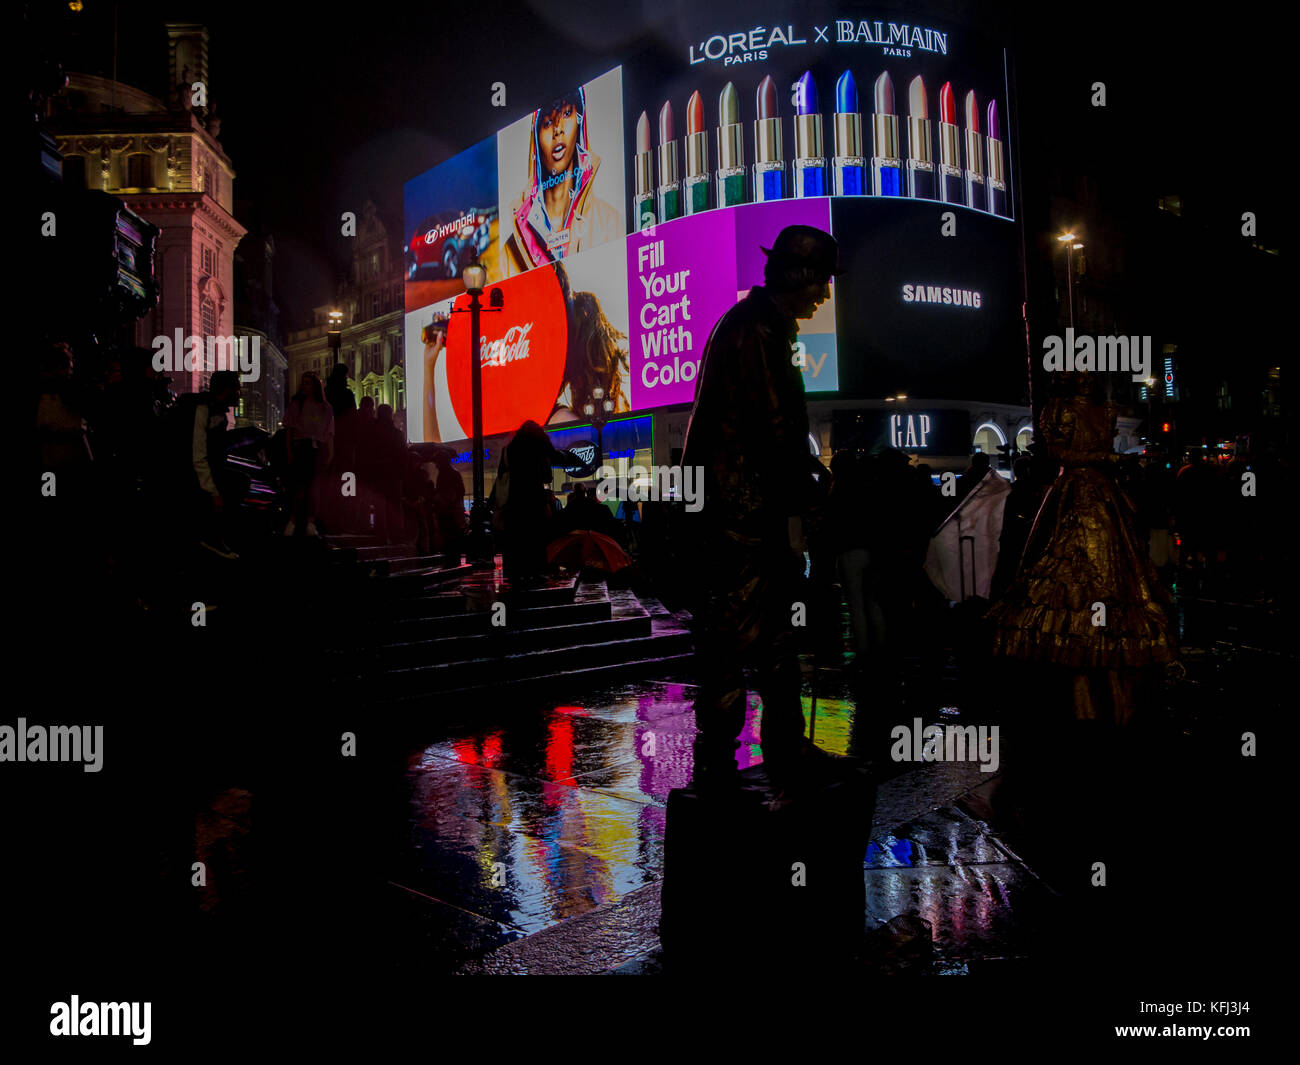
(479, 549)
(335, 333)
(599, 410)
(1071, 246)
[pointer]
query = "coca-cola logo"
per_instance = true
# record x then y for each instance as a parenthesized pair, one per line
(522, 350)
(510, 348)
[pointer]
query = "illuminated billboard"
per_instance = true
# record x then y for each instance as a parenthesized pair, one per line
(624, 215)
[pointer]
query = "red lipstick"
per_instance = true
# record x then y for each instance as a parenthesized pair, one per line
(976, 189)
(951, 188)
(670, 191)
(769, 165)
(695, 187)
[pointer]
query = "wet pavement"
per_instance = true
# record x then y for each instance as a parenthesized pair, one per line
(525, 827)
(535, 843)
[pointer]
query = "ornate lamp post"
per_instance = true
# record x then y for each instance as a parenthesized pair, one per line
(480, 549)
(599, 411)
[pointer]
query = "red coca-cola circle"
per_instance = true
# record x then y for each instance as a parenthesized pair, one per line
(535, 327)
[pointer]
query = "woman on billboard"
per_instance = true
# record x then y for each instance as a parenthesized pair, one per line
(558, 213)
(595, 358)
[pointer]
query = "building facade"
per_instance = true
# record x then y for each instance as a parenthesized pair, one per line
(369, 335)
(163, 160)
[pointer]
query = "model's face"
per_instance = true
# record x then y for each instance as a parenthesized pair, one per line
(557, 137)
(808, 298)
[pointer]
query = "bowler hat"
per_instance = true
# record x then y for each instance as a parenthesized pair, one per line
(808, 246)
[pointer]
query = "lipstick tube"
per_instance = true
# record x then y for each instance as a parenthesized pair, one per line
(920, 155)
(808, 167)
(848, 167)
(886, 164)
(695, 186)
(731, 149)
(976, 188)
(643, 199)
(951, 188)
(669, 192)
(769, 156)
(997, 175)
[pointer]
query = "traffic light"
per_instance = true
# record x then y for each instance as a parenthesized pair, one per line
(1165, 427)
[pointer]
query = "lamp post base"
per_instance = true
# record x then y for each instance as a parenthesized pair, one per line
(480, 550)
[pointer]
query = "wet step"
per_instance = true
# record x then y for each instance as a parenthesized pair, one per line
(626, 620)
(590, 603)
(646, 656)
(457, 600)
(409, 576)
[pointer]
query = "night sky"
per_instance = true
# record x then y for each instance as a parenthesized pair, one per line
(324, 108)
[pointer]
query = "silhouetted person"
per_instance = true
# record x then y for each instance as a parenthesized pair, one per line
(449, 505)
(309, 437)
(367, 448)
(971, 476)
(749, 432)
(848, 519)
(1017, 519)
(525, 514)
(344, 509)
(213, 490)
(389, 469)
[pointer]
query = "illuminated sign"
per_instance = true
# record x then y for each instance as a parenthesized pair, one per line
(650, 192)
(909, 431)
(953, 297)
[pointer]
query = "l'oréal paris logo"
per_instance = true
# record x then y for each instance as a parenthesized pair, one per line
(744, 46)
(512, 346)
(747, 46)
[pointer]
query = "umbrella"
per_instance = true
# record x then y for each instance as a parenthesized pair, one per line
(586, 548)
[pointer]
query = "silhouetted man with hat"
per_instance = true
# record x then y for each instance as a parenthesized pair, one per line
(749, 432)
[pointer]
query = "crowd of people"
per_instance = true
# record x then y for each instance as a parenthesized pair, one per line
(176, 478)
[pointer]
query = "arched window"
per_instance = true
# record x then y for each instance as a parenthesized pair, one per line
(208, 317)
(988, 437)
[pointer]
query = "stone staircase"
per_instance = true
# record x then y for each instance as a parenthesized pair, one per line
(425, 626)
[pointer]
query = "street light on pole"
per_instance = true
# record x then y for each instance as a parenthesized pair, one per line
(1071, 246)
(335, 333)
(599, 410)
(480, 549)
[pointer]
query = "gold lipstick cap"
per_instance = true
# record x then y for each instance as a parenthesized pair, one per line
(807, 136)
(697, 154)
(949, 145)
(974, 152)
(668, 163)
(848, 135)
(767, 141)
(918, 139)
(644, 173)
(996, 174)
(884, 136)
(731, 146)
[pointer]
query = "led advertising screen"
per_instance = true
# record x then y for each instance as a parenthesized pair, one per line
(629, 212)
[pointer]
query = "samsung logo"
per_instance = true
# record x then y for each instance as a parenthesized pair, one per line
(954, 297)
